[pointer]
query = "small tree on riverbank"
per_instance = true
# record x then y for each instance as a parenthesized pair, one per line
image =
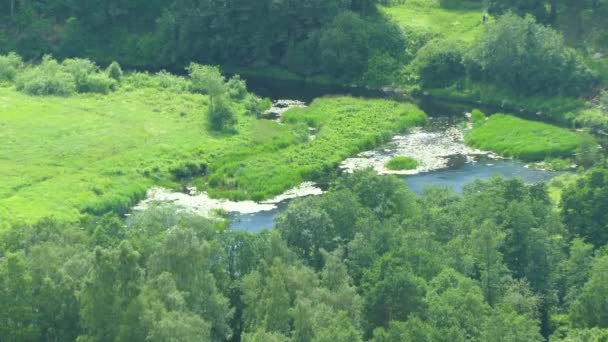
(209, 80)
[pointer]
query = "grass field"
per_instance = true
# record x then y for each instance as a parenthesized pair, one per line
(427, 17)
(527, 140)
(61, 157)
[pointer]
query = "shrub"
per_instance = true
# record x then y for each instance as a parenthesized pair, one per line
(172, 82)
(9, 65)
(439, 64)
(80, 69)
(115, 71)
(265, 104)
(477, 117)
(48, 78)
(402, 163)
(237, 88)
(139, 80)
(87, 76)
(97, 83)
(382, 69)
(588, 153)
(188, 170)
(221, 116)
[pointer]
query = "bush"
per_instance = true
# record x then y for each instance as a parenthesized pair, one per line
(477, 117)
(114, 71)
(529, 59)
(9, 65)
(347, 44)
(87, 76)
(172, 82)
(382, 69)
(97, 83)
(439, 64)
(237, 88)
(402, 163)
(188, 170)
(588, 153)
(221, 116)
(48, 78)
(80, 69)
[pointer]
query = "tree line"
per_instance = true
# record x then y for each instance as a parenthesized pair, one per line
(345, 41)
(367, 261)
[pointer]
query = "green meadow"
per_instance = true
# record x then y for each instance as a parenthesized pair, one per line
(523, 139)
(62, 157)
(428, 18)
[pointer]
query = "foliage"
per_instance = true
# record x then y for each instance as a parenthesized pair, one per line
(529, 58)
(582, 207)
(72, 75)
(9, 66)
(401, 163)
(590, 308)
(246, 173)
(477, 117)
(368, 260)
(221, 115)
(115, 71)
(49, 78)
(104, 169)
(237, 87)
(528, 140)
(439, 63)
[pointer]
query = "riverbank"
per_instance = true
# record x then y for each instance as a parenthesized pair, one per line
(93, 154)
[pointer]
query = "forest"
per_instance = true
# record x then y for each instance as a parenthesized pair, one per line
(456, 151)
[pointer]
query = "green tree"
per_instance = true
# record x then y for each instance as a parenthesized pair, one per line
(17, 308)
(339, 329)
(508, 326)
(208, 80)
(583, 207)
(188, 259)
(307, 229)
(392, 291)
(591, 309)
(113, 283)
(528, 58)
(487, 241)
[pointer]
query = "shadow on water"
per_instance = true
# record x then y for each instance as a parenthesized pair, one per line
(307, 92)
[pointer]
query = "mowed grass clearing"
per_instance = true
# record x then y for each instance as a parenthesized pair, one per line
(427, 17)
(62, 157)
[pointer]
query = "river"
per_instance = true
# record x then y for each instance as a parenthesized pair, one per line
(439, 147)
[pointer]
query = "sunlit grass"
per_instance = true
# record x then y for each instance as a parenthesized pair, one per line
(527, 140)
(61, 157)
(429, 17)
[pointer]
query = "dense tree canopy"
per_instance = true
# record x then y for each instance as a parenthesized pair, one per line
(493, 264)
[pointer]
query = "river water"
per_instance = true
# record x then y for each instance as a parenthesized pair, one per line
(439, 147)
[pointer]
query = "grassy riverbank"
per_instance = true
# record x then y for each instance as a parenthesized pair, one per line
(510, 136)
(343, 127)
(93, 153)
